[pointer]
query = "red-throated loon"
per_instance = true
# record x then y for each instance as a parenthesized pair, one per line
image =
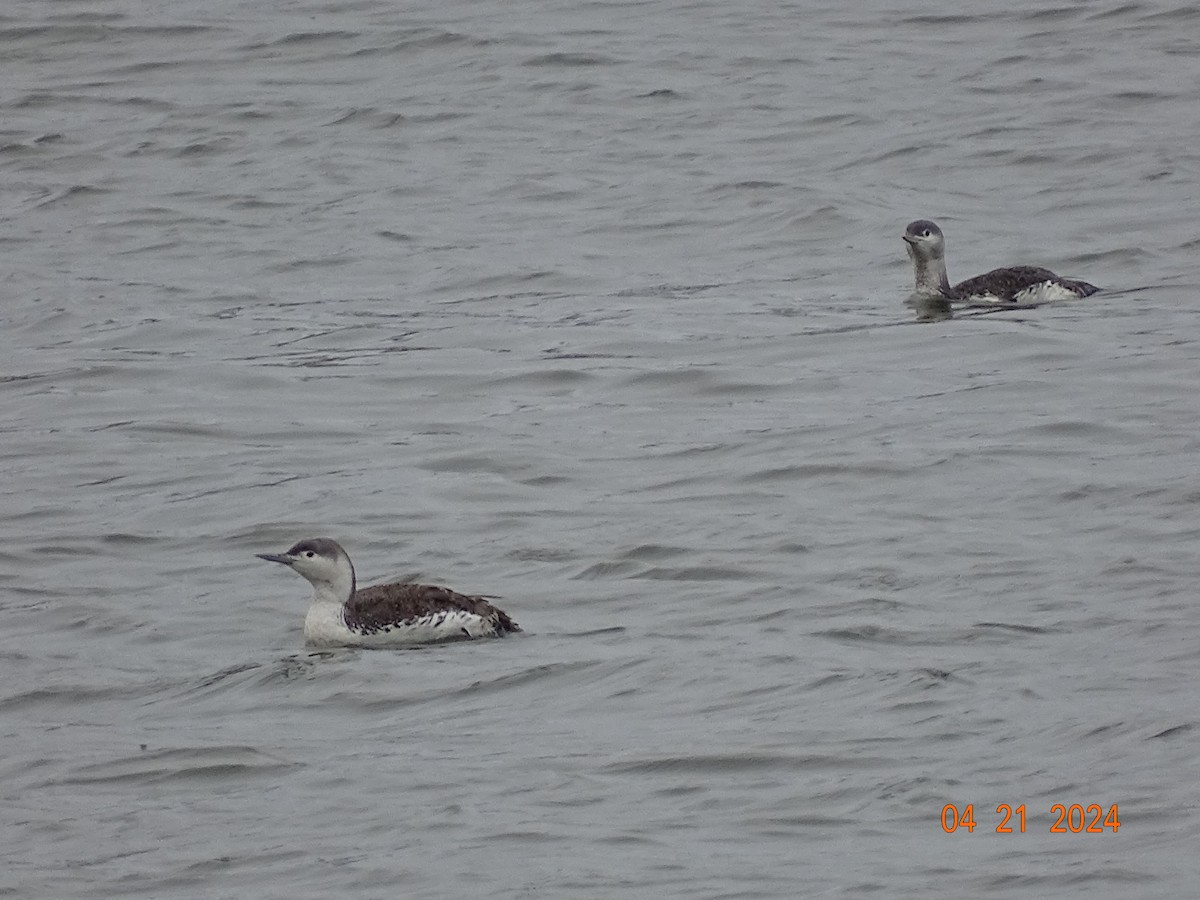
(1016, 284)
(383, 615)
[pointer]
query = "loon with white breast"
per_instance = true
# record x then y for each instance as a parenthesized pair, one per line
(1016, 284)
(384, 615)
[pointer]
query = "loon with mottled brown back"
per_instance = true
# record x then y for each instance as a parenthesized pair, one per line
(1024, 285)
(384, 615)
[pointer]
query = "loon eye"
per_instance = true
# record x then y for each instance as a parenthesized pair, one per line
(309, 554)
(926, 233)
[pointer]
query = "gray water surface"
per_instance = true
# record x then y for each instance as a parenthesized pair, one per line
(597, 307)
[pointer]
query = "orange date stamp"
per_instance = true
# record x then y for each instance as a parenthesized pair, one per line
(1074, 818)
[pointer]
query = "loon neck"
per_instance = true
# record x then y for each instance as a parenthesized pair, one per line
(338, 591)
(931, 277)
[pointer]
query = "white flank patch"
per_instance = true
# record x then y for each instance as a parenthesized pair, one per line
(1045, 292)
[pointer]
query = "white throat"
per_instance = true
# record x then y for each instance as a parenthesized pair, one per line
(336, 589)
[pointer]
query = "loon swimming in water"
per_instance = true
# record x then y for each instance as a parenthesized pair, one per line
(383, 615)
(1016, 284)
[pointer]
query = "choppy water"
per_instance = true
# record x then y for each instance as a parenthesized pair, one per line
(598, 307)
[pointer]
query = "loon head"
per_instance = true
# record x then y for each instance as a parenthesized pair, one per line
(324, 563)
(924, 241)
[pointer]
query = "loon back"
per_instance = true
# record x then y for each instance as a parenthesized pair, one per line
(1021, 284)
(375, 608)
